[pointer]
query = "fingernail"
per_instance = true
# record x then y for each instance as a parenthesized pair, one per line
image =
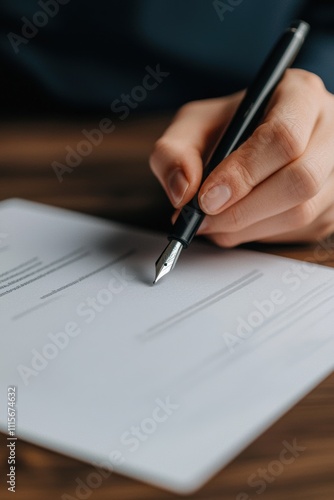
(214, 199)
(177, 186)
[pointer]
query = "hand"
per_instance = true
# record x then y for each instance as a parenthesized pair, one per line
(278, 186)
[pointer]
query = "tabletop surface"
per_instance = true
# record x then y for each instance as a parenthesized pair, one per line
(113, 180)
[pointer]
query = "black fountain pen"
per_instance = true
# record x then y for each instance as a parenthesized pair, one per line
(240, 128)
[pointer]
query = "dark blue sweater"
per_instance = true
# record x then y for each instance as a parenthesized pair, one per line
(86, 54)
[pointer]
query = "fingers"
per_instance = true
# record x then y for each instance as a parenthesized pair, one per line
(278, 185)
(283, 137)
(178, 157)
(296, 185)
(308, 221)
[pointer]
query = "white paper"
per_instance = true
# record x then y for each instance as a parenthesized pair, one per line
(164, 383)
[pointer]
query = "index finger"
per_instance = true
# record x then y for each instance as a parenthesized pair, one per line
(179, 155)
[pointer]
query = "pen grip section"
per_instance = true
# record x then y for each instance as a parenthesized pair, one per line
(187, 223)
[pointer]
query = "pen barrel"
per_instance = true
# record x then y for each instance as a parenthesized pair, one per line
(245, 120)
(252, 107)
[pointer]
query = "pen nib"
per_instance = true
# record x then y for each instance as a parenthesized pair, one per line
(167, 259)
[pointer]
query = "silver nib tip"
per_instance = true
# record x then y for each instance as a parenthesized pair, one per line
(167, 259)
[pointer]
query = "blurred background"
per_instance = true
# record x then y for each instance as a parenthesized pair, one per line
(68, 64)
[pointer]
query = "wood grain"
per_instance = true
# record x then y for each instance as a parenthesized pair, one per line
(114, 182)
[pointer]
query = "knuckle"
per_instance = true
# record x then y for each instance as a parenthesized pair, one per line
(165, 153)
(313, 81)
(303, 182)
(241, 177)
(236, 218)
(159, 151)
(224, 240)
(189, 107)
(305, 78)
(304, 214)
(287, 134)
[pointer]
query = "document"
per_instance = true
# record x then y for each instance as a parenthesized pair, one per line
(163, 383)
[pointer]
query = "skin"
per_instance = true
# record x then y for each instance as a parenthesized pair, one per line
(278, 186)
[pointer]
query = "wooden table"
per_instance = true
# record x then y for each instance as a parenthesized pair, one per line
(114, 181)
